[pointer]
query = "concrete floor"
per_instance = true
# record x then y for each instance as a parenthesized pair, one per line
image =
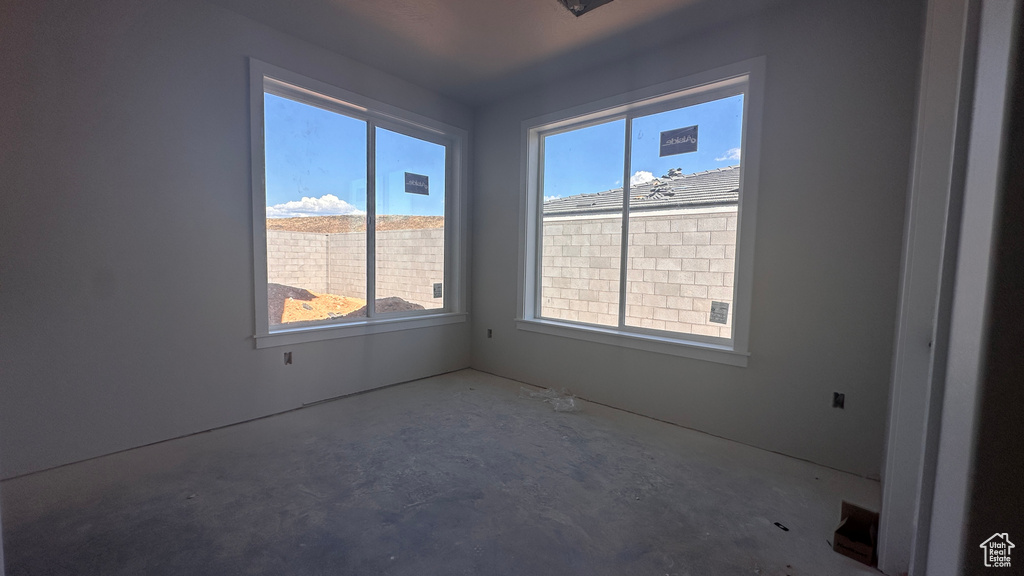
(454, 474)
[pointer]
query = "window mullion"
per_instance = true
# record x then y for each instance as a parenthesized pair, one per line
(449, 246)
(539, 231)
(371, 218)
(624, 255)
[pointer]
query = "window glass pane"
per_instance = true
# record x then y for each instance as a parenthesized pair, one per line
(684, 192)
(316, 212)
(409, 229)
(581, 228)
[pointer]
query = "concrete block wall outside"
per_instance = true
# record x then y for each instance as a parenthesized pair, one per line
(677, 264)
(409, 262)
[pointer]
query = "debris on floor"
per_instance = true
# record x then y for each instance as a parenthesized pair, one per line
(565, 404)
(547, 393)
(857, 534)
(561, 400)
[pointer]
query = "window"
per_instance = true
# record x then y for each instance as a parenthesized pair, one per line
(356, 212)
(640, 217)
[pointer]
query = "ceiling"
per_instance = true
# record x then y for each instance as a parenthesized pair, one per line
(477, 51)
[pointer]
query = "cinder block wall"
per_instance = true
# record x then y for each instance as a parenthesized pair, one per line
(580, 269)
(409, 262)
(347, 264)
(678, 264)
(297, 259)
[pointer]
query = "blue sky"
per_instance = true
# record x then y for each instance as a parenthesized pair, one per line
(316, 159)
(590, 159)
(316, 164)
(398, 154)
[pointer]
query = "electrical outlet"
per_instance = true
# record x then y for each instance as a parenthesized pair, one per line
(287, 358)
(838, 400)
(489, 333)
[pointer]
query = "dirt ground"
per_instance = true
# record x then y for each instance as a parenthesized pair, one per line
(350, 223)
(320, 307)
(291, 304)
(388, 304)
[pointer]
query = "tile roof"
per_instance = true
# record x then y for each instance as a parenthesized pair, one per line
(720, 187)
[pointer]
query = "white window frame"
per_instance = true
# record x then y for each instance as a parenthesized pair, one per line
(265, 77)
(745, 77)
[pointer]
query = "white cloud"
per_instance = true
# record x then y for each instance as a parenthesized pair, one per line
(550, 198)
(326, 205)
(730, 154)
(640, 177)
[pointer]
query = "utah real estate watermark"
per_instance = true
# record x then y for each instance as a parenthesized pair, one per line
(997, 550)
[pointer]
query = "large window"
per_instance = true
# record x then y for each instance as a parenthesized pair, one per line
(356, 213)
(639, 218)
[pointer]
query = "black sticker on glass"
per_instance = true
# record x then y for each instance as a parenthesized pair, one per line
(416, 184)
(679, 141)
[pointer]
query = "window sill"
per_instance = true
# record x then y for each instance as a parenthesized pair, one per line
(659, 344)
(299, 335)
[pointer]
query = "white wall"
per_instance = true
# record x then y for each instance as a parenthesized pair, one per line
(126, 292)
(977, 466)
(997, 496)
(838, 111)
(929, 258)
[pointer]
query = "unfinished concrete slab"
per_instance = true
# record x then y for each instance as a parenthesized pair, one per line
(455, 474)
